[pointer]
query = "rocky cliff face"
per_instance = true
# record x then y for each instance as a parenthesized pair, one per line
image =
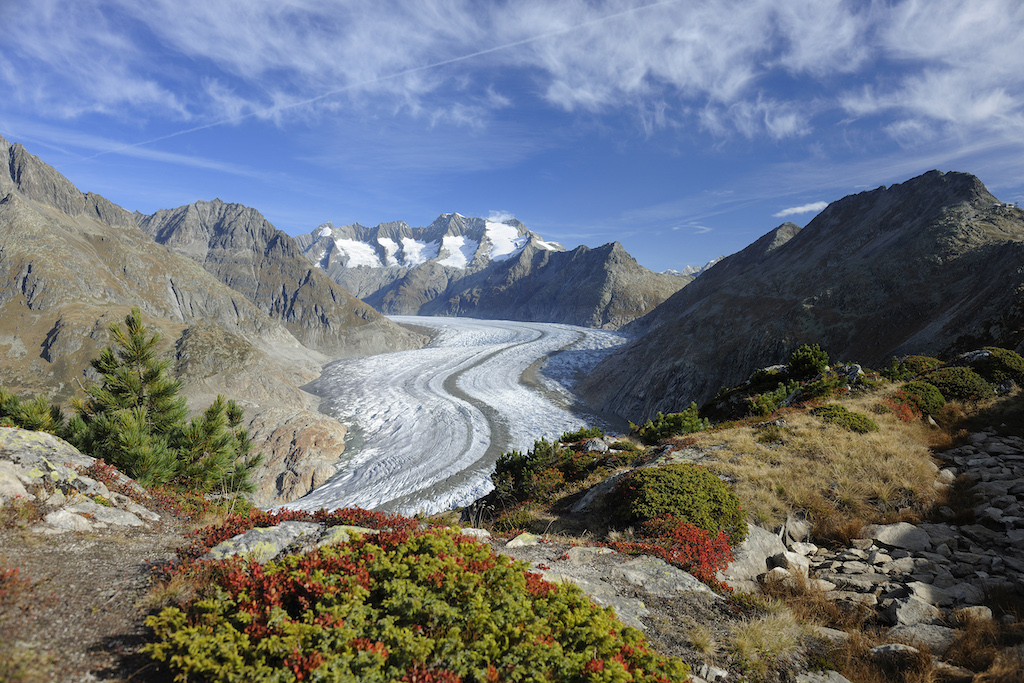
(478, 268)
(72, 263)
(927, 266)
(243, 250)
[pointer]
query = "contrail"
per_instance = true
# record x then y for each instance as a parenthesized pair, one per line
(388, 77)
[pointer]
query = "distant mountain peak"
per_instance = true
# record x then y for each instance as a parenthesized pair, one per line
(450, 241)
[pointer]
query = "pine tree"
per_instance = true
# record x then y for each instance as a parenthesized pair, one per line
(136, 420)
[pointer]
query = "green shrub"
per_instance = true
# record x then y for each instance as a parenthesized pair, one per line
(806, 362)
(582, 434)
(770, 401)
(428, 606)
(518, 474)
(836, 414)
(1001, 365)
(689, 493)
(923, 397)
(37, 415)
(910, 367)
(674, 424)
(960, 384)
(827, 385)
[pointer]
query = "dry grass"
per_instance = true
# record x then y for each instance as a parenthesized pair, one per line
(988, 646)
(853, 661)
(703, 640)
(841, 478)
(758, 645)
(810, 606)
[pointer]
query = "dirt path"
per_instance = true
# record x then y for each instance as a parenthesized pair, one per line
(81, 620)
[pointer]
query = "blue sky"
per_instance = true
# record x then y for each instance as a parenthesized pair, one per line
(683, 129)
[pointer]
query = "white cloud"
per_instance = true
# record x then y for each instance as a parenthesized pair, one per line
(814, 207)
(747, 68)
(500, 216)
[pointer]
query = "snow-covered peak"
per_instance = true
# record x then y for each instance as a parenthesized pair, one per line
(452, 241)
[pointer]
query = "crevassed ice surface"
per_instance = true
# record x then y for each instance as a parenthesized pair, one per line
(434, 421)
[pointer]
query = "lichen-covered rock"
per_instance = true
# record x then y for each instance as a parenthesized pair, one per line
(46, 467)
(265, 543)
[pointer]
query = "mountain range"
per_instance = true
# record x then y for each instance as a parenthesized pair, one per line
(933, 265)
(474, 267)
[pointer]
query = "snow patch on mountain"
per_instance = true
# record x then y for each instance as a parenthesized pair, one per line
(505, 240)
(418, 252)
(460, 251)
(358, 253)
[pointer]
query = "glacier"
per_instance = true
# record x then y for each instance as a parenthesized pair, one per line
(429, 424)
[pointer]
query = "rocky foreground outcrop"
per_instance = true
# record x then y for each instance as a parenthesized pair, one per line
(39, 466)
(929, 266)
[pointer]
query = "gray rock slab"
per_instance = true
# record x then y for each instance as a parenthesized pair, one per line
(107, 515)
(265, 543)
(342, 533)
(931, 594)
(10, 484)
(473, 532)
(822, 677)
(911, 610)
(584, 554)
(65, 520)
(751, 559)
(899, 535)
(935, 638)
(629, 610)
(659, 577)
(831, 635)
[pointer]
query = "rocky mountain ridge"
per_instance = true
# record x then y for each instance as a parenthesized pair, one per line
(475, 267)
(237, 245)
(931, 265)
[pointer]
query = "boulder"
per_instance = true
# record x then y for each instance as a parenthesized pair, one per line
(658, 577)
(899, 535)
(935, 638)
(265, 543)
(911, 610)
(751, 559)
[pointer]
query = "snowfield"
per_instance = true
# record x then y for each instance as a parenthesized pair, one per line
(430, 423)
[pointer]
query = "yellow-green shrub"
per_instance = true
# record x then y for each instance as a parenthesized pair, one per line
(689, 493)
(430, 606)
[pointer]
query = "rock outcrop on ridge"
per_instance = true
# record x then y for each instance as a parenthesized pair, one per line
(72, 263)
(932, 265)
(243, 250)
(472, 267)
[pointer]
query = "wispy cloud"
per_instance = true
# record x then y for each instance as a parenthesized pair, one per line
(69, 140)
(814, 207)
(750, 69)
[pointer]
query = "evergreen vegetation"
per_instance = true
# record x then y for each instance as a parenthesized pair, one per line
(674, 424)
(806, 362)
(429, 606)
(689, 493)
(960, 384)
(836, 414)
(136, 420)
